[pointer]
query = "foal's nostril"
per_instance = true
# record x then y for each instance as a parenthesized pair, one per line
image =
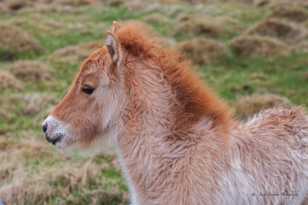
(44, 127)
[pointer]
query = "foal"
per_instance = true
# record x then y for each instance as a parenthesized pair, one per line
(176, 141)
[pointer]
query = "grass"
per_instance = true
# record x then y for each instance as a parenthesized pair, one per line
(28, 161)
(284, 76)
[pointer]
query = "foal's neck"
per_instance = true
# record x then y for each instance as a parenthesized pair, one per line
(158, 134)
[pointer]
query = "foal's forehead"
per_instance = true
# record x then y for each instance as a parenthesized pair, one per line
(96, 60)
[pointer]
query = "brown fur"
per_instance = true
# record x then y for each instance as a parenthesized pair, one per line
(197, 99)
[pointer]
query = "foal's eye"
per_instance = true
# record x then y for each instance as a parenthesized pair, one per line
(87, 89)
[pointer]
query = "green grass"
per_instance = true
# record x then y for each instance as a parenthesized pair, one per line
(234, 77)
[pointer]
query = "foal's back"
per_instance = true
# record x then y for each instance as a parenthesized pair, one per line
(270, 158)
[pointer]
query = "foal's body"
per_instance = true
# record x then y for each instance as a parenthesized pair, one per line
(265, 164)
(176, 141)
(269, 159)
(262, 161)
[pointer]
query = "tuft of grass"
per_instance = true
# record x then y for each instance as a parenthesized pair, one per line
(8, 81)
(73, 54)
(32, 173)
(258, 46)
(35, 103)
(46, 187)
(291, 12)
(34, 71)
(15, 42)
(283, 30)
(248, 106)
(198, 25)
(203, 51)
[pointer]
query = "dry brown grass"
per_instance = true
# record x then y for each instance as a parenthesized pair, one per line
(291, 12)
(15, 5)
(8, 81)
(27, 148)
(31, 70)
(199, 25)
(271, 3)
(15, 153)
(302, 3)
(74, 2)
(183, 1)
(202, 51)
(45, 25)
(115, 3)
(8, 107)
(306, 76)
(252, 2)
(258, 46)
(6, 114)
(74, 54)
(21, 184)
(3, 7)
(24, 104)
(302, 47)
(36, 103)
(285, 31)
(157, 18)
(14, 41)
(248, 106)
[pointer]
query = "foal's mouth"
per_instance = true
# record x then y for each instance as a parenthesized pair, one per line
(55, 139)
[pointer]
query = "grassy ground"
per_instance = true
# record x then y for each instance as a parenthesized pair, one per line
(241, 48)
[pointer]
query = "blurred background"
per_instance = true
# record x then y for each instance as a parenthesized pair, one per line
(254, 53)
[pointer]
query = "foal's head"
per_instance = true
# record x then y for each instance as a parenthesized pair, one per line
(91, 107)
(111, 84)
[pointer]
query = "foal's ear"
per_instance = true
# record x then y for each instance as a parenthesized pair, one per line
(113, 45)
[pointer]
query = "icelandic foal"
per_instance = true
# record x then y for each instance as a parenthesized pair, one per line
(176, 141)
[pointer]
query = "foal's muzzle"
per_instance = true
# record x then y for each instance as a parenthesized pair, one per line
(53, 130)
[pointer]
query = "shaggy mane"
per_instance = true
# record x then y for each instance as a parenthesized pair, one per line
(198, 100)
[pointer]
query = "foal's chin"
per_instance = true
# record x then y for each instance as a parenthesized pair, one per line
(67, 145)
(99, 145)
